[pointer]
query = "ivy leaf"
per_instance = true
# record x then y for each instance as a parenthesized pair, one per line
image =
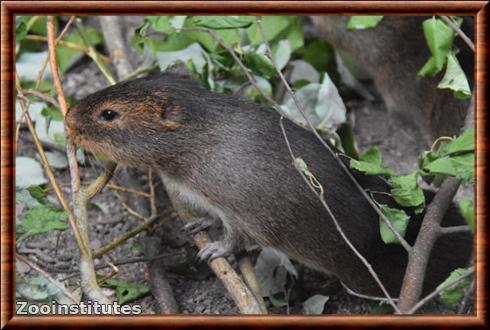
(346, 134)
(260, 64)
(322, 105)
(224, 22)
(406, 191)
(439, 38)
(21, 27)
(28, 172)
(468, 212)
(42, 219)
(363, 22)
(453, 294)
(271, 269)
(463, 143)
(282, 53)
(455, 79)
(126, 292)
(399, 220)
(461, 166)
(315, 304)
(52, 113)
(371, 164)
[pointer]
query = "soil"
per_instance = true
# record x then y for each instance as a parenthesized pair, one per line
(196, 289)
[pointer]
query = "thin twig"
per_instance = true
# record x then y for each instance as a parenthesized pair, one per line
(320, 195)
(337, 225)
(460, 32)
(42, 96)
(454, 229)
(364, 296)
(67, 44)
(439, 289)
(55, 282)
(467, 295)
(128, 208)
(41, 72)
(128, 190)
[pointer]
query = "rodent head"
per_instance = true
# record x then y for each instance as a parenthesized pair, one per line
(129, 123)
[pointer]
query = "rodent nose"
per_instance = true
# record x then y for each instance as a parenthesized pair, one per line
(70, 120)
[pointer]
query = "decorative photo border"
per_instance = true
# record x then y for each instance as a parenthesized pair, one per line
(9, 9)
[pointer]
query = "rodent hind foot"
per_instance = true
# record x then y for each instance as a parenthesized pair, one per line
(214, 250)
(197, 225)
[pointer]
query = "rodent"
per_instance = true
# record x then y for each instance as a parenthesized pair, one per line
(226, 157)
(392, 53)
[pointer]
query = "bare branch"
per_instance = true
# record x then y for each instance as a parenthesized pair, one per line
(460, 32)
(440, 289)
(55, 282)
(418, 259)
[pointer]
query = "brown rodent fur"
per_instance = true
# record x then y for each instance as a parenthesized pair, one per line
(226, 157)
(392, 53)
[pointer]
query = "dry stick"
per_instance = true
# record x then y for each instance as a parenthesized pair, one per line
(55, 282)
(87, 271)
(47, 168)
(460, 32)
(160, 287)
(67, 44)
(439, 289)
(246, 268)
(43, 96)
(128, 190)
(429, 232)
(41, 72)
(111, 29)
(320, 195)
(238, 290)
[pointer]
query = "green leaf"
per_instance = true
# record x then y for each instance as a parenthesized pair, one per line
(363, 22)
(370, 163)
(52, 113)
(28, 172)
(67, 56)
(42, 219)
(126, 292)
(38, 193)
(193, 53)
(406, 191)
(282, 53)
(455, 79)
(224, 22)
(461, 166)
(24, 197)
(453, 294)
(468, 212)
(463, 143)
(346, 134)
(158, 23)
(315, 304)
(278, 28)
(399, 220)
(322, 105)
(21, 27)
(439, 38)
(259, 64)
(324, 63)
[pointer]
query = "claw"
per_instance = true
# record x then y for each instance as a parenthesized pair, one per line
(214, 250)
(199, 224)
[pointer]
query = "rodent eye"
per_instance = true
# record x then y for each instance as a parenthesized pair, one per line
(108, 115)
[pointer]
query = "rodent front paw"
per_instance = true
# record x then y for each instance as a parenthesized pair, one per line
(214, 250)
(198, 224)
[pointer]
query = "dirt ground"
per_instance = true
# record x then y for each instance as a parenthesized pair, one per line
(196, 289)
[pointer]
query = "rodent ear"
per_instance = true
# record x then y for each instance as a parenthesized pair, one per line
(172, 115)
